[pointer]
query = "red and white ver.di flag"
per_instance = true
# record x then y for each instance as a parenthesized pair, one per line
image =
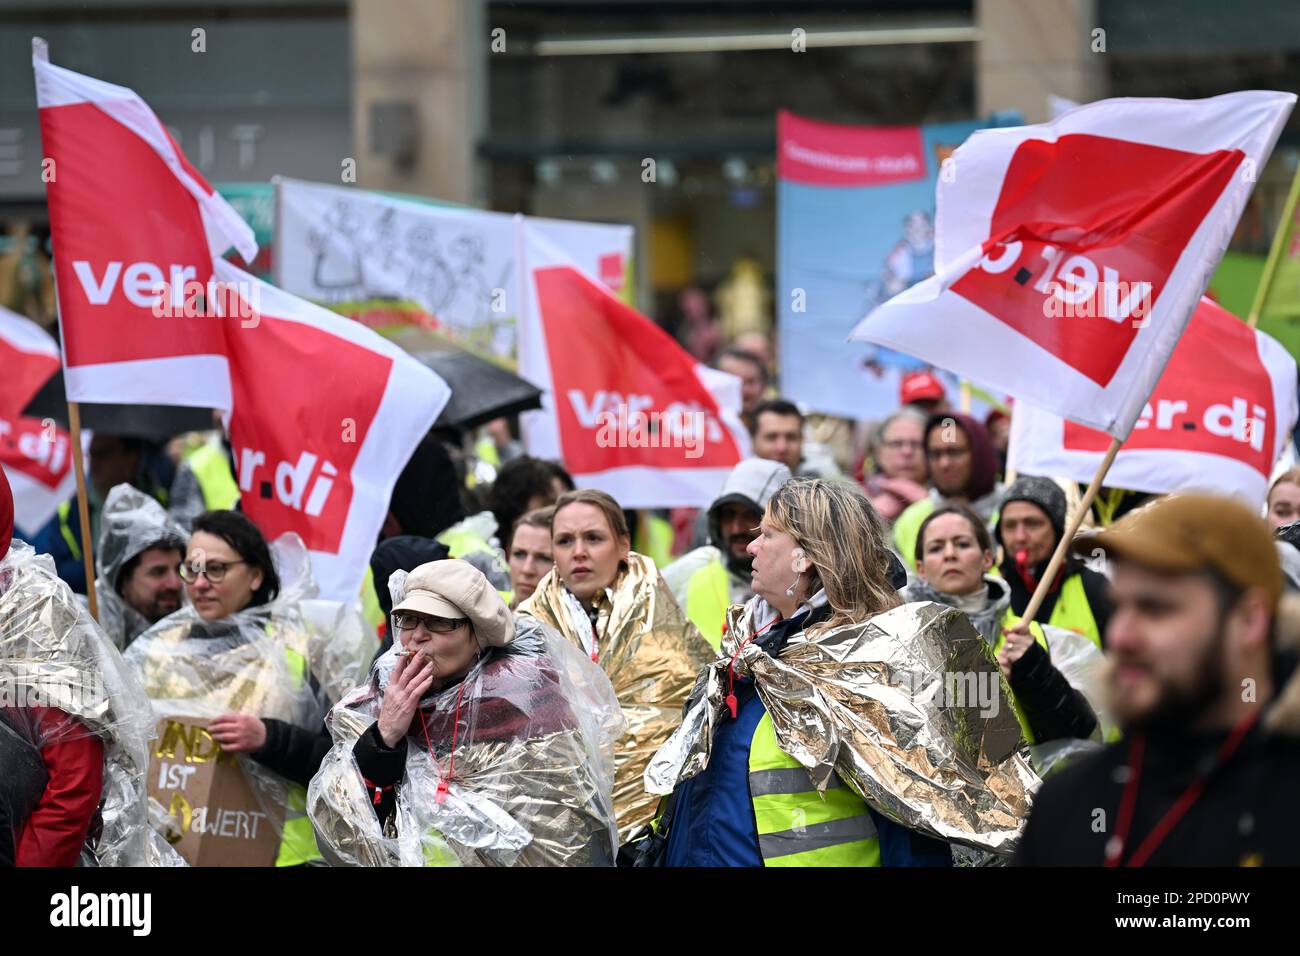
(1069, 256)
(135, 230)
(326, 414)
(36, 455)
(28, 357)
(625, 407)
(1217, 421)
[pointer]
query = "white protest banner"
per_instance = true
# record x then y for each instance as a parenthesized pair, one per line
(627, 409)
(135, 229)
(388, 261)
(1217, 421)
(325, 415)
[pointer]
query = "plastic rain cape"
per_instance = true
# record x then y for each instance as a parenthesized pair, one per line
(53, 654)
(908, 707)
(1081, 662)
(529, 782)
(130, 524)
(651, 652)
(262, 661)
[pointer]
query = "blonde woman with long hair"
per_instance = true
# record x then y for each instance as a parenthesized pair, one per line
(810, 699)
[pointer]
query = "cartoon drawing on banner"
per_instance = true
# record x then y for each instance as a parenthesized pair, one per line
(363, 254)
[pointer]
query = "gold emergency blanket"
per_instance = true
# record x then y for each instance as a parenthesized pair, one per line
(909, 708)
(54, 655)
(652, 654)
(533, 725)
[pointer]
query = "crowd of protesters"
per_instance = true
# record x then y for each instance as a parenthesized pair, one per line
(526, 658)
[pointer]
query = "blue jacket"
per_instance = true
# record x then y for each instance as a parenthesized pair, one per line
(49, 540)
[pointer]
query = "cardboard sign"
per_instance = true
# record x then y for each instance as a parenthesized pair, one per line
(209, 799)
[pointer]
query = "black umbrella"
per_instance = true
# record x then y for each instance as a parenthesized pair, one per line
(480, 390)
(151, 422)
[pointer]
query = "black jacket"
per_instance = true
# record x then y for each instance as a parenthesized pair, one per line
(291, 751)
(1095, 588)
(22, 783)
(1245, 816)
(1051, 706)
(382, 768)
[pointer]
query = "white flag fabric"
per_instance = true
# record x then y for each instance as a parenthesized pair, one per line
(325, 415)
(1069, 256)
(135, 229)
(1220, 416)
(388, 261)
(29, 356)
(36, 455)
(627, 409)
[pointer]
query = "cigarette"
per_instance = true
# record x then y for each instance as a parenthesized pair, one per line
(406, 653)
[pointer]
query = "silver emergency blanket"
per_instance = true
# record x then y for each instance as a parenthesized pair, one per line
(529, 781)
(261, 661)
(54, 657)
(1077, 658)
(908, 708)
(130, 524)
(651, 652)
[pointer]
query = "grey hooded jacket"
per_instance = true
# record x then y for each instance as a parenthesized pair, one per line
(131, 523)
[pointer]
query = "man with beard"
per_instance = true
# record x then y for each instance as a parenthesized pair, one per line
(1201, 663)
(708, 580)
(138, 563)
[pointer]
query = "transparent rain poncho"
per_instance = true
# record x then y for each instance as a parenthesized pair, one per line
(131, 523)
(1081, 662)
(287, 660)
(62, 680)
(652, 653)
(528, 781)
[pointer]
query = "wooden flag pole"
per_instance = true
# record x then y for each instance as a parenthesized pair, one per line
(83, 506)
(965, 397)
(1274, 253)
(1063, 546)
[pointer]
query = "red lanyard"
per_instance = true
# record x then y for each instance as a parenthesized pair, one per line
(445, 782)
(731, 667)
(1115, 848)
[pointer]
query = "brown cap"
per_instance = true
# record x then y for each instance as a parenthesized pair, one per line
(1184, 533)
(453, 588)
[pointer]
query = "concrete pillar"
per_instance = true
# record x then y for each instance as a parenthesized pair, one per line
(1031, 49)
(419, 100)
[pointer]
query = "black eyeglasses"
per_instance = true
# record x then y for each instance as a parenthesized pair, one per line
(214, 571)
(405, 621)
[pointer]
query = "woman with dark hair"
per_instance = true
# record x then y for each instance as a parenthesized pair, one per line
(612, 603)
(229, 566)
(525, 484)
(963, 470)
(954, 553)
(258, 658)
